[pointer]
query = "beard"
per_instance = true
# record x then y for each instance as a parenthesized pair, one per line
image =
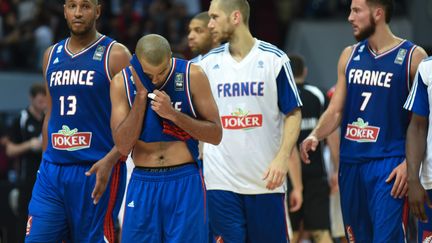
(368, 31)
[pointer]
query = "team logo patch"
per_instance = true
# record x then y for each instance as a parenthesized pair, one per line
(350, 233)
(29, 224)
(98, 54)
(260, 64)
(241, 119)
(400, 56)
(70, 140)
(360, 131)
(179, 82)
(427, 237)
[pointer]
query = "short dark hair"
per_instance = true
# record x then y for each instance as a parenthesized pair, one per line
(203, 16)
(37, 88)
(388, 6)
(297, 64)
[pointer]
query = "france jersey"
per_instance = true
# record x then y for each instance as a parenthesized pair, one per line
(79, 85)
(253, 97)
(374, 122)
(177, 86)
(419, 102)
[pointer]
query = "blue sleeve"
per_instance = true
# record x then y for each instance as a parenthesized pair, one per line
(288, 96)
(418, 101)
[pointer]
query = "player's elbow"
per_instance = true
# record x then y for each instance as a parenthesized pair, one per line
(122, 147)
(217, 137)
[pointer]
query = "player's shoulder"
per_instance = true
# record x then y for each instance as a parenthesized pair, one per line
(425, 69)
(213, 53)
(270, 49)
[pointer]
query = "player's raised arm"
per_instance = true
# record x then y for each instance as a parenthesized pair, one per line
(208, 127)
(126, 122)
(331, 118)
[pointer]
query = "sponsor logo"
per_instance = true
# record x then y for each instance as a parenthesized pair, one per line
(29, 224)
(131, 204)
(175, 131)
(98, 54)
(400, 56)
(356, 58)
(216, 66)
(427, 237)
(179, 82)
(350, 233)
(240, 119)
(361, 132)
(56, 60)
(70, 140)
(218, 239)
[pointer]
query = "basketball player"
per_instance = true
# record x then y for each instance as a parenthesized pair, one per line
(66, 204)
(165, 199)
(418, 139)
(200, 40)
(314, 213)
(258, 102)
(374, 77)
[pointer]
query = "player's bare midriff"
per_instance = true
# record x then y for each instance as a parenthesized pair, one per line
(161, 154)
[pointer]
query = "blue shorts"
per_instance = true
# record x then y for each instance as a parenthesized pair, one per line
(165, 205)
(425, 229)
(369, 212)
(247, 218)
(61, 208)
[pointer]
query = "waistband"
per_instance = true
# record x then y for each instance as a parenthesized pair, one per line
(164, 173)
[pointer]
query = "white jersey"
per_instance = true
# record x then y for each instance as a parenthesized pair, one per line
(420, 101)
(253, 96)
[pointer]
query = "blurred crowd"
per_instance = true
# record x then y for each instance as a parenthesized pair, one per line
(28, 27)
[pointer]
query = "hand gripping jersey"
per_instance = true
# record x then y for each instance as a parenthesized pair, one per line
(419, 102)
(78, 129)
(177, 86)
(253, 96)
(374, 123)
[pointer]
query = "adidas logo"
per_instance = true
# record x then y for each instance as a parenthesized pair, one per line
(357, 58)
(131, 204)
(216, 66)
(56, 60)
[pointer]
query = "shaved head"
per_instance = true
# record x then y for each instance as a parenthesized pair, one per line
(229, 6)
(153, 48)
(95, 2)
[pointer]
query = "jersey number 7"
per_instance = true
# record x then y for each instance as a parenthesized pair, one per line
(366, 96)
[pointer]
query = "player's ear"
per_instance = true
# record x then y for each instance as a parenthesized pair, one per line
(378, 14)
(98, 10)
(236, 17)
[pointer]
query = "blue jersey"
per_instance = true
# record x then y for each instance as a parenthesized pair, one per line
(177, 86)
(79, 85)
(374, 122)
